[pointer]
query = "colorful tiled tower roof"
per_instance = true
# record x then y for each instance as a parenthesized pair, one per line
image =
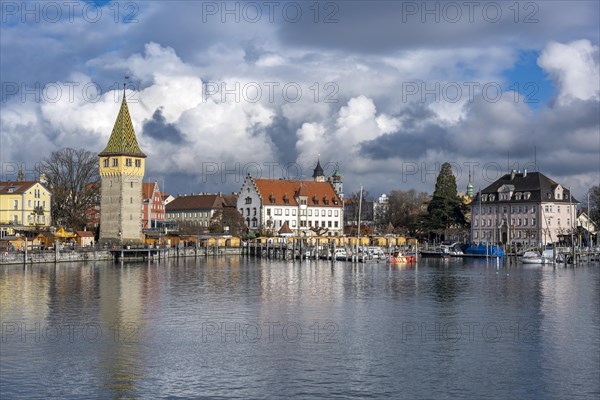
(122, 140)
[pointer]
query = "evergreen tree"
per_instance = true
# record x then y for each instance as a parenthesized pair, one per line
(594, 211)
(445, 210)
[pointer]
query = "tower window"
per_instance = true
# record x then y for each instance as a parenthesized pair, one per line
(128, 162)
(115, 162)
(106, 162)
(138, 163)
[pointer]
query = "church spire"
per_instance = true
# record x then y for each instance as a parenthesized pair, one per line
(470, 186)
(122, 140)
(318, 173)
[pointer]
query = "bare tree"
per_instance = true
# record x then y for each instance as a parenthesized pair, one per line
(404, 210)
(73, 179)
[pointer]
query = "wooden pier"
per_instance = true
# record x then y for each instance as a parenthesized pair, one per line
(136, 254)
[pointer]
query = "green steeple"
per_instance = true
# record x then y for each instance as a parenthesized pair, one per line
(470, 186)
(122, 140)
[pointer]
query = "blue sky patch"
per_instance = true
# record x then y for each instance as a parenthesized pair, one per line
(531, 81)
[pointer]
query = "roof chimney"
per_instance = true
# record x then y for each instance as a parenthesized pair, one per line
(512, 174)
(524, 173)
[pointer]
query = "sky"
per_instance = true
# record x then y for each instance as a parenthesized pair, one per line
(385, 90)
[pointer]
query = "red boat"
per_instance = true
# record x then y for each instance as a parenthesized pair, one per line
(400, 258)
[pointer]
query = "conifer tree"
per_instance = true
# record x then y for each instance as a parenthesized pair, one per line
(445, 210)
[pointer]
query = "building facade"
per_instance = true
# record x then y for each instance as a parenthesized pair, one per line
(524, 209)
(308, 208)
(195, 212)
(153, 207)
(25, 204)
(122, 165)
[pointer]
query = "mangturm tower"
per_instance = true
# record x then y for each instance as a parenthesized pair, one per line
(121, 171)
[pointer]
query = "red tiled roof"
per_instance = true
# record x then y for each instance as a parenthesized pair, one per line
(148, 190)
(285, 229)
(201, 202)
(276, 192)
(85, 234)
(17, 186)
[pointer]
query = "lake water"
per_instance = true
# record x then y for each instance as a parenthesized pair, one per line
(238, 328)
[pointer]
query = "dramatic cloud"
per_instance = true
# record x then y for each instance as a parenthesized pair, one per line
(389, 90)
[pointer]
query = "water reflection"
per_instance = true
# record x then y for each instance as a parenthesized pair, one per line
(234, 327)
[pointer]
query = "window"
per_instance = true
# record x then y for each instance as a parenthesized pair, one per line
(475, 223)
(491, 197)
(287, 212)
(525, 221)
(294, 212)
(517, 196)
(336, 224)
(29, 203)
(293, 223)
(115, 162)
(558, 209)
(329, 213)
(329, 224)
(254, 211)
(533, 209)
(268, 211)
(309, 212)
(15, 204)
(322, 213)
(248, 200)
(337, 213)
(106, 162)
(128, 162)
(519, 210)
(248, 211)
(138, 163)
(558, 221)
(519, 221)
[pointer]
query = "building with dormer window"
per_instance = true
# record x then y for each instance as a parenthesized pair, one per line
(308, 208)
(25, 204)
(527, 209)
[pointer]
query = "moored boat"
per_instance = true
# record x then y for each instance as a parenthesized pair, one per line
(401, 258)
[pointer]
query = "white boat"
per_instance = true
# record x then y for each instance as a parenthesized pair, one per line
(341, 255)
(535, 257)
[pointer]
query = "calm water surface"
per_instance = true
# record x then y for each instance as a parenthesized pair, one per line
(232, 327)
